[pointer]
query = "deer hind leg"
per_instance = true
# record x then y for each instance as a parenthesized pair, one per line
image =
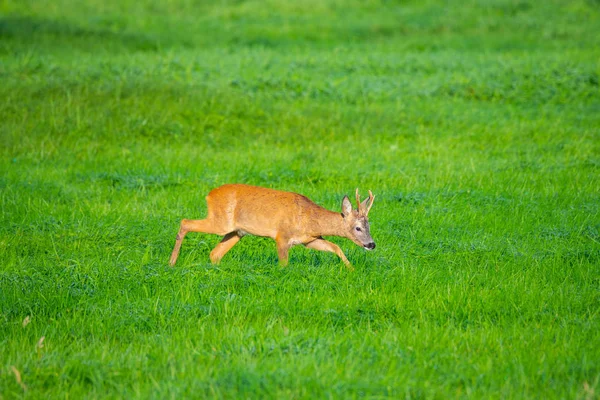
(190, 225)
(324, 245)
(224, 246)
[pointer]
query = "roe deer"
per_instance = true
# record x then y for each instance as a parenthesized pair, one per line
(235, 210)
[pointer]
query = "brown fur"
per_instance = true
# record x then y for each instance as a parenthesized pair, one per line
(235, 210)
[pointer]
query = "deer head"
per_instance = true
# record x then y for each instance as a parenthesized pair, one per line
(356, 221)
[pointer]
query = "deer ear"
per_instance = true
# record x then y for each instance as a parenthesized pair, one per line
(363, 206)
(346, 206)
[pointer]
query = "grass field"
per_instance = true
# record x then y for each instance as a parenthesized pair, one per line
(475, 123)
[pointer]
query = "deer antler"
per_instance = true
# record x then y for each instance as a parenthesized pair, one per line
(362, 207)
(371, 199)
(358, 205)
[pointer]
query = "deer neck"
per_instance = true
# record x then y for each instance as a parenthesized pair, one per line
(330, 223)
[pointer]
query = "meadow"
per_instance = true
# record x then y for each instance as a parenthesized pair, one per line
(475, 123)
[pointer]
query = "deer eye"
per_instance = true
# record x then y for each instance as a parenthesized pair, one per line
(358, 229)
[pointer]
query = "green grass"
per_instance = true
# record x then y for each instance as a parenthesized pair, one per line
(476, 124)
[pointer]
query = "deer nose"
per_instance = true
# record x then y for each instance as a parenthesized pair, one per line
(370, 246)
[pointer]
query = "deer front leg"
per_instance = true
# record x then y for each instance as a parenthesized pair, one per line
(283, 249)
(324, 245)
(224, 246)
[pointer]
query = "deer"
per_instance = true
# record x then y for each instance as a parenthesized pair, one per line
(236, 210)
